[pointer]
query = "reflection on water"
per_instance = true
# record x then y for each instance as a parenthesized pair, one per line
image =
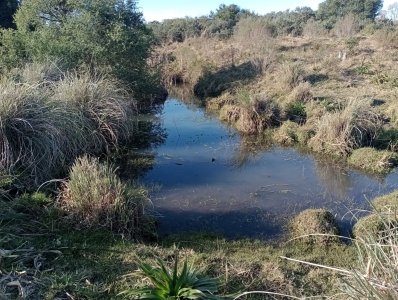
(212, 179)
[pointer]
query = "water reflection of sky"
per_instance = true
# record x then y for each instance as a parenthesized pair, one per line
(210, 179)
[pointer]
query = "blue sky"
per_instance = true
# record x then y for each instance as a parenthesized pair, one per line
(167, 9)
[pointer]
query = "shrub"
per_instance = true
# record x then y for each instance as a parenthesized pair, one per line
(340, 132)
(370, 159)
(254, 32)
(387, 38)
(347, 26)
(110, 35)
(314, 221)
(314, 29)
(94, 196)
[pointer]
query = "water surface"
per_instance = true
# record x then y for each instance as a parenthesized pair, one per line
(209, 178)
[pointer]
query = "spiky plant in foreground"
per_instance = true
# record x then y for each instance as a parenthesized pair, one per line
(173, 284)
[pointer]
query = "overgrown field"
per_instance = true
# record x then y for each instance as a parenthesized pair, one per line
(333, 92)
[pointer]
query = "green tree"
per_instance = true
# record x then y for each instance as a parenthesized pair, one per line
(331, 10)
(7, 11)
(105, 34)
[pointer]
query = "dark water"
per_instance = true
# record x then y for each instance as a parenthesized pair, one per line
(208, 178)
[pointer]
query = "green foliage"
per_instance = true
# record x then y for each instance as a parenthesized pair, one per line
(106, 34)
(95, 196)
(331, 10)
(7, 11)
(296, 111)
(168, 285)
(372, 160)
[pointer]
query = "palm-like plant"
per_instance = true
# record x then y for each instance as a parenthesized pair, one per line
(174, 285)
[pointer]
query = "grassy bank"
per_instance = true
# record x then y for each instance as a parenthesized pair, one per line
(45, 256)
(337, 105)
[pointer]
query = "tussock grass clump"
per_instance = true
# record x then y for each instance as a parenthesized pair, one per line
(34, 131)
(45, 124)
(289, 76)
(287, 134)
(340, 132)
(376, 273)
(302, 93)
(94, 196)
(372, 160)
(387, 202)
(252, 117)
(314, 221)
(102, 102)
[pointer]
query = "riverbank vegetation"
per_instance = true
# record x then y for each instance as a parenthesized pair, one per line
(74, 76)
(330, 71)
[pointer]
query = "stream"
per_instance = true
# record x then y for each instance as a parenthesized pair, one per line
(208, 178)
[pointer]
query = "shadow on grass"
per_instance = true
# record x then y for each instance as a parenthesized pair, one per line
(212, 84)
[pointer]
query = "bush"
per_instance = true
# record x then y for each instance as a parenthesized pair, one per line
(314, 221)
(110, 35)
(372, 160)
(387, 38)
(340, 132)
(314, 29)
(94, 196)
(347, 26)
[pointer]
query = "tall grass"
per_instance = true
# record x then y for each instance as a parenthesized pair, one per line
(47, 119)
(101, 101)
(339, 132)
(95, 196)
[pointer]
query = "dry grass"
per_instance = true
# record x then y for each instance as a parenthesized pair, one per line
(102, 102)
(352, 127)
(45, 124)
(251, 117)
(94, 196)
(314, 226)
(287, 134)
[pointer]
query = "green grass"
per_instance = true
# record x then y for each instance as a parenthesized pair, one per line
(94, 196)
(372, 160)
(52, 259)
